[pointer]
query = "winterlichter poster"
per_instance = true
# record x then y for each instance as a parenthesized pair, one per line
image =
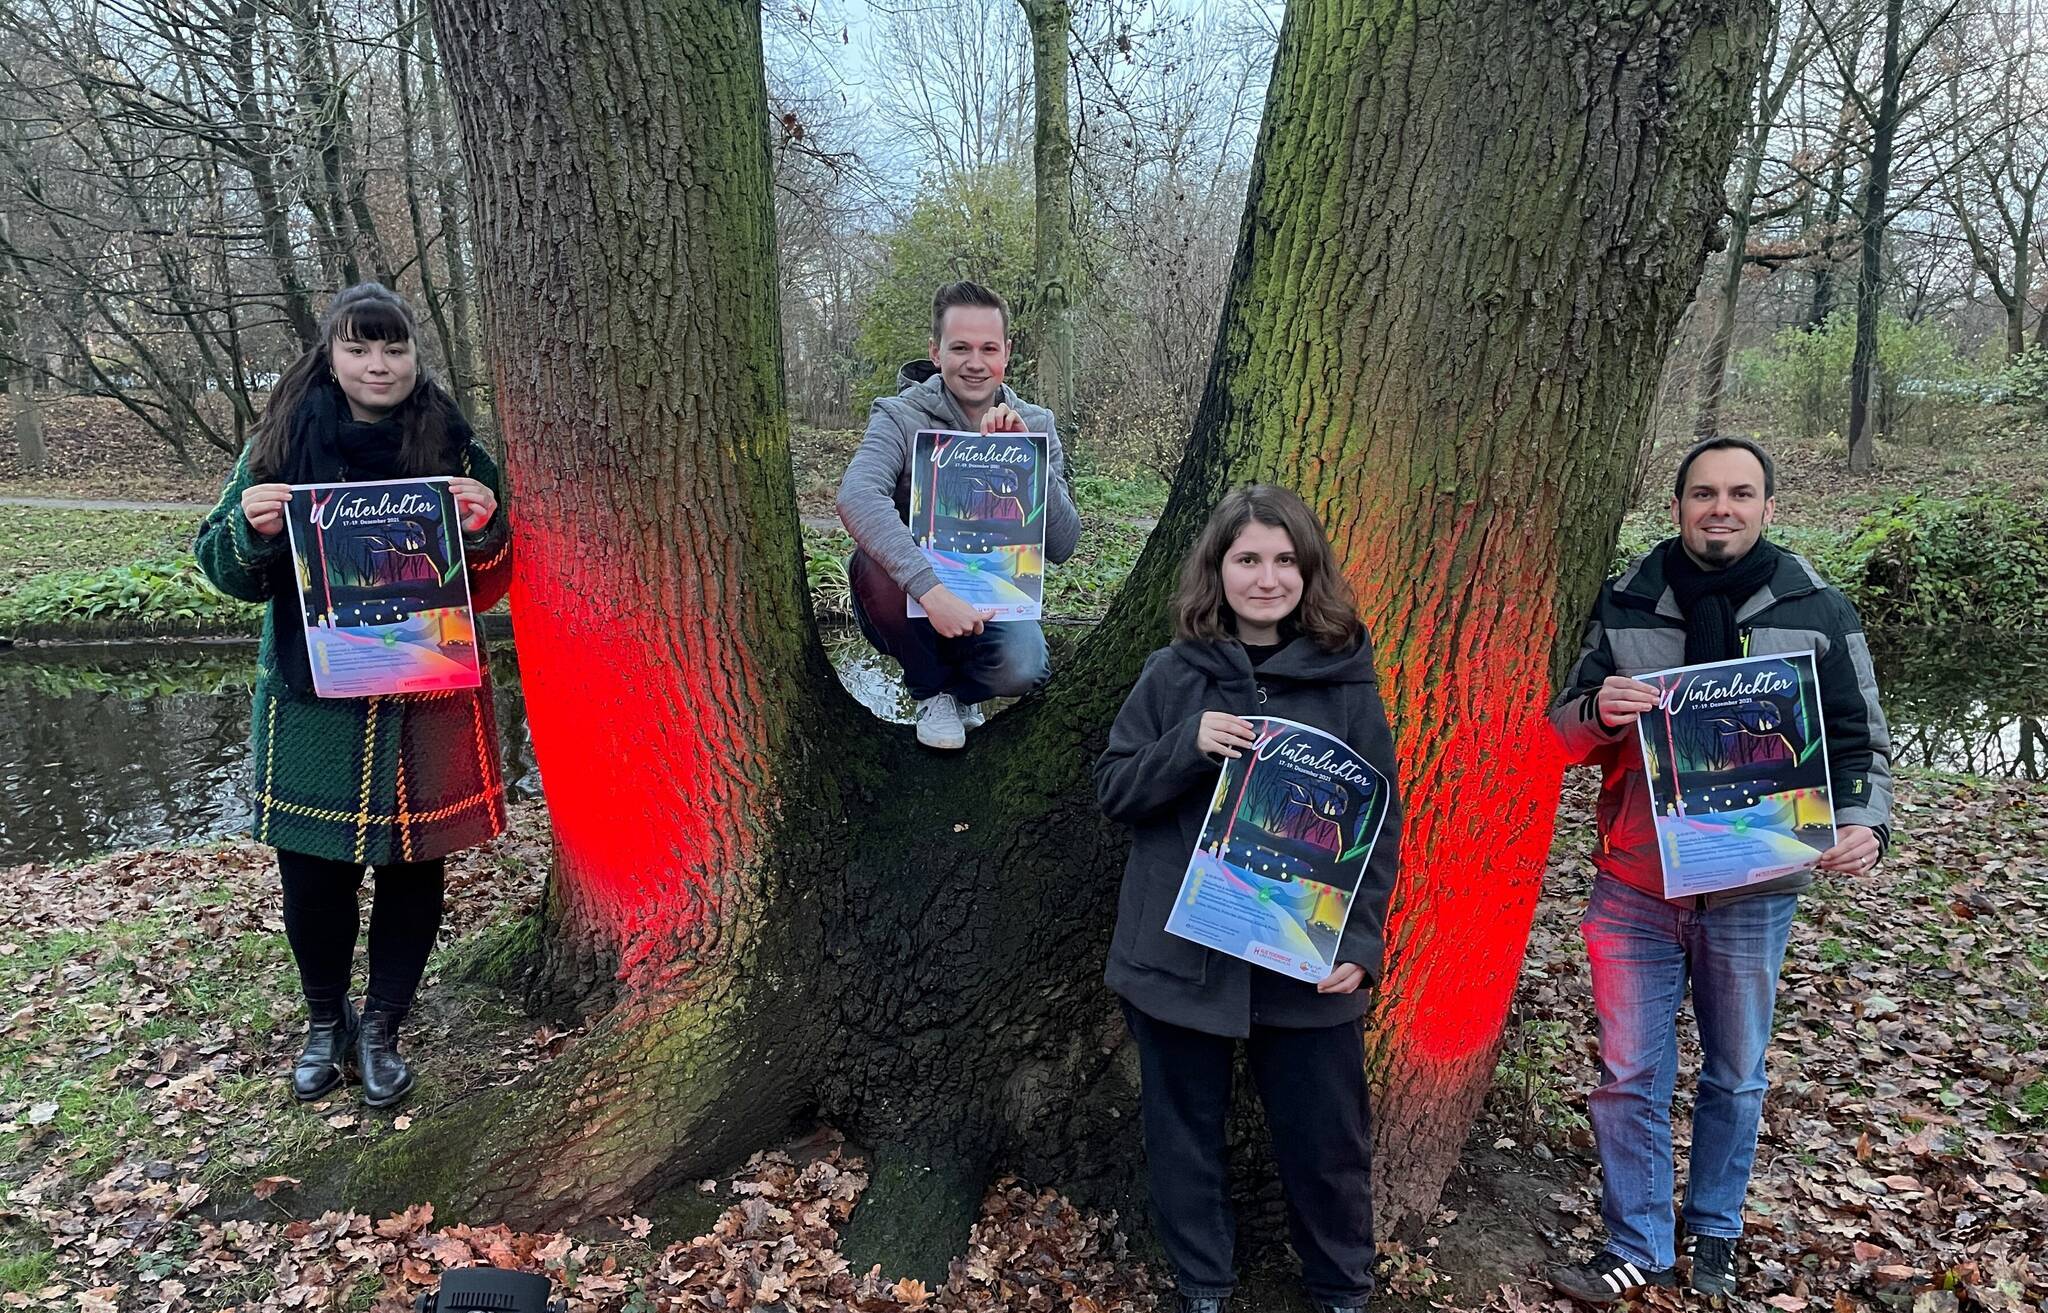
(1737, 761)
(977, 509)
(1290, 829)
(384, 591)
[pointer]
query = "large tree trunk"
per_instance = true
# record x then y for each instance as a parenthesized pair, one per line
(1469, 234)
(1052, 166)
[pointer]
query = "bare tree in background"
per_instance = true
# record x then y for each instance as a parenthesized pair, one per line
(17, 355)
(186, 178)
(1996, 190)
(1791, 52)
(828, 201)
(957, 94)
(1903, 38)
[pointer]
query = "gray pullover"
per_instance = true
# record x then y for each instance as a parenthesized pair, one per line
(874, 494)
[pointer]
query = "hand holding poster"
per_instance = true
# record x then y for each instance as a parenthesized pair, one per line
(977, 508)
(1738, 767)
(385, 594)
(1290, 829)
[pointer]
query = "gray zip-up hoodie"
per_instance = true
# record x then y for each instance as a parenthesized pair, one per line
(874, 493)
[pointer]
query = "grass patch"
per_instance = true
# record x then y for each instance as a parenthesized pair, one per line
(38, 540)
(1082, 587)
(97, 997)
(1134, 496)
(27, 1268)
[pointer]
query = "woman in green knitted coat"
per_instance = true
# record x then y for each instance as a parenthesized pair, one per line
(393, 784)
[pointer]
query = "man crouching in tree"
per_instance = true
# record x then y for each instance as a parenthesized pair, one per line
(954, 656)
(1715, 592)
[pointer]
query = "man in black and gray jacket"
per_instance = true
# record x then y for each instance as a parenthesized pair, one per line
(1715, 592)
(954, 656)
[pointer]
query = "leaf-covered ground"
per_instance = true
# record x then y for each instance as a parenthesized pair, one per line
(1904, 1165)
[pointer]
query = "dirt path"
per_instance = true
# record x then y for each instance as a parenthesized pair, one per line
(93, 504)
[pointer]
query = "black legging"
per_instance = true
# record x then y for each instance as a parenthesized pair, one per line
(321, 921)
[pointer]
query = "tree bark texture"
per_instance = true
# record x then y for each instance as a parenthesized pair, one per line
(1470, 231)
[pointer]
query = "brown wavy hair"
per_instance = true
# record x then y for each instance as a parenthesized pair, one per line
(367, 312)
(1326, 612)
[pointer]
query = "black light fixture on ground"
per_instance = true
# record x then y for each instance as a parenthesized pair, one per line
(489, 1290)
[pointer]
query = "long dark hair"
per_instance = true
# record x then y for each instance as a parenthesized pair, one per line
(1325, 614)
(367, 312)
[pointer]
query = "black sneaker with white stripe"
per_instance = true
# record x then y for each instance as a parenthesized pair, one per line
(1713, 1266)
(1608, 1278)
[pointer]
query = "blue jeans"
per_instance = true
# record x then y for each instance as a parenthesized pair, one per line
(1643, 950)
(1003, 661)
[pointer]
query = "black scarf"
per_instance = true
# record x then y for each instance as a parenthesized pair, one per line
(328, 446)
(1709, 598)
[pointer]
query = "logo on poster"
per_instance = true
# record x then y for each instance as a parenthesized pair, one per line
(1710, 690)
(985, 453)
(1295, 751)
(384, 506)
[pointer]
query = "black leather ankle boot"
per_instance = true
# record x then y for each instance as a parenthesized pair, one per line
(386, 1077)
(330, 1045)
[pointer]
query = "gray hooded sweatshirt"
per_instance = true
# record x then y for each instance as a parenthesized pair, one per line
(874, 494)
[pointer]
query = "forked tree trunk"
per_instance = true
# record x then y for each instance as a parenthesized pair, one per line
(1469, 234)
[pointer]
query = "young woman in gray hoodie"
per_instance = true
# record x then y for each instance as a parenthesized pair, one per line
(1265, 625)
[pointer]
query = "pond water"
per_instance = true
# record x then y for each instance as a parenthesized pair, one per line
(125, 745)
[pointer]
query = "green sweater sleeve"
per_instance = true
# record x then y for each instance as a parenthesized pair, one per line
(234, 556)
(489, 549)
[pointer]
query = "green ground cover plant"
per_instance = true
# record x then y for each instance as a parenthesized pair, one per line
(37, 540)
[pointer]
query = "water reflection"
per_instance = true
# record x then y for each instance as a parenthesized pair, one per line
(124, 745)
(1973, 703)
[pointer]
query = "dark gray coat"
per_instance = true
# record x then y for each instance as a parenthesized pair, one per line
(1153, 779)
(1637, 629)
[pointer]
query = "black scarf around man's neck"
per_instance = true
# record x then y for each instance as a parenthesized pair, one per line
(1709, 598)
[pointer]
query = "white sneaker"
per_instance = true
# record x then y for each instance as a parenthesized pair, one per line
(938, 723)
(971, 717)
